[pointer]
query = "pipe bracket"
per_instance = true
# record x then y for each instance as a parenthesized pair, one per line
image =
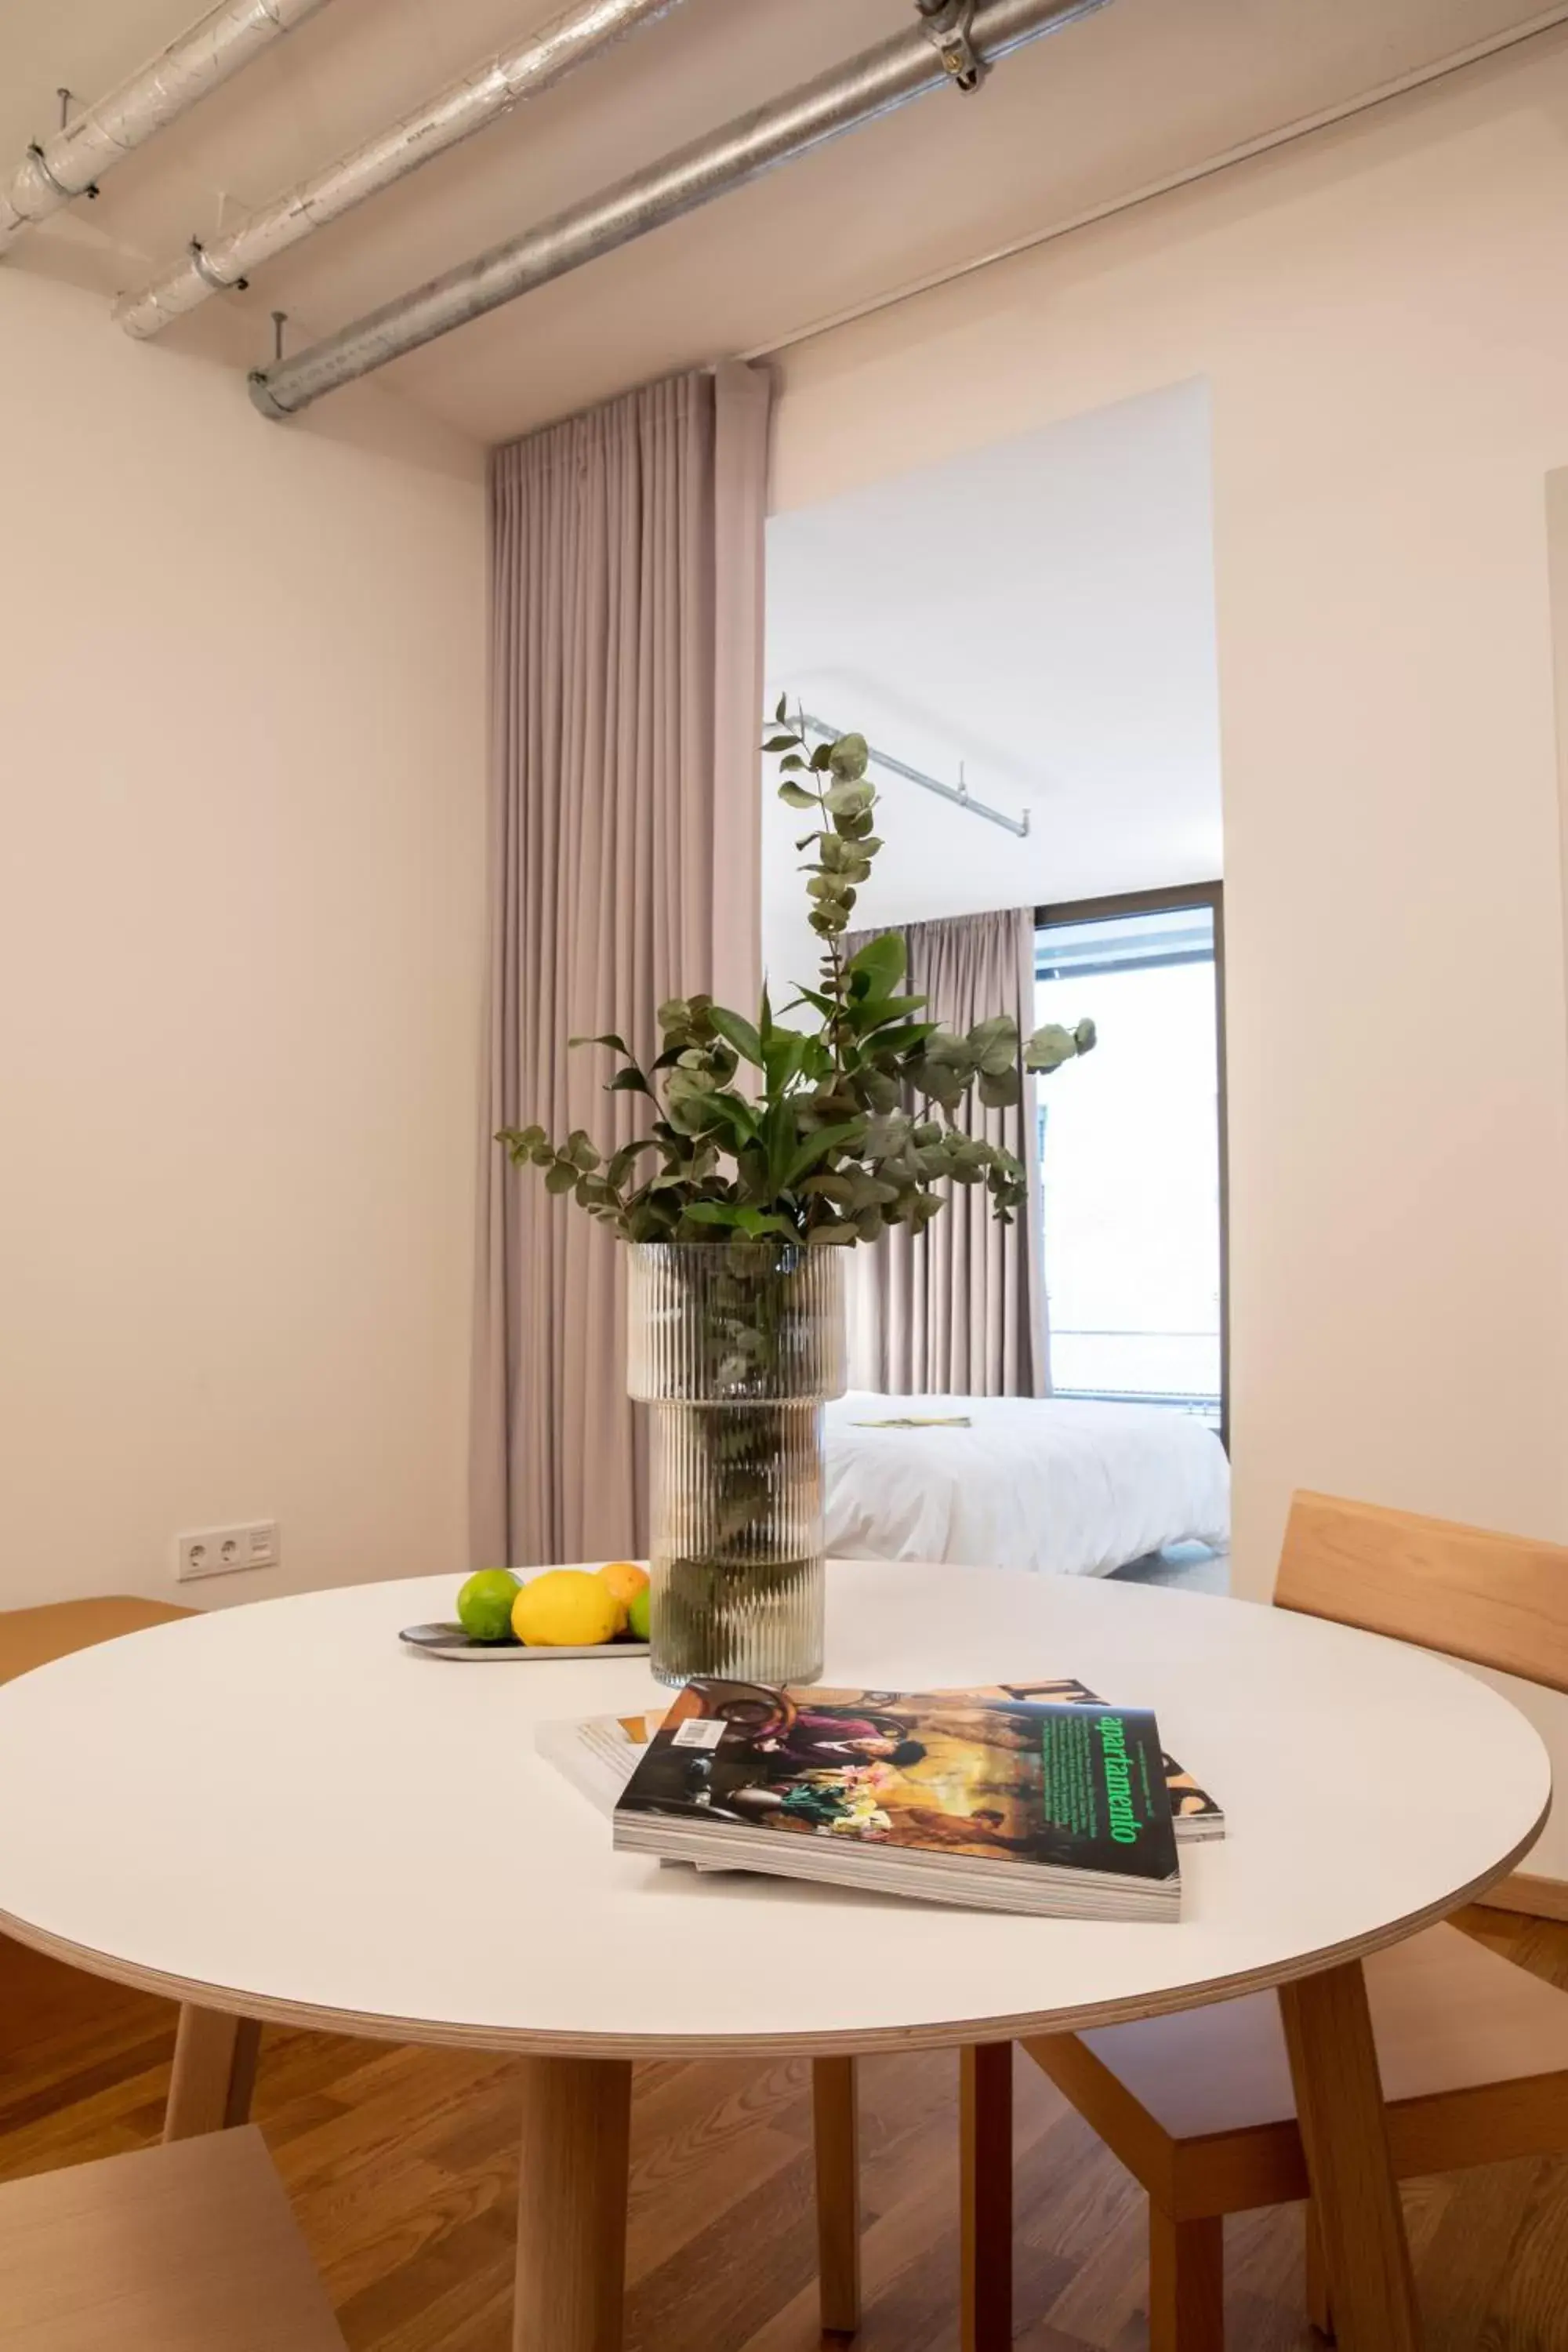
(947, 25)
(205, 271)
(56, 187)
(263, 397)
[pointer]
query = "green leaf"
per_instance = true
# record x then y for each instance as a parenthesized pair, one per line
(622, 1161)
(560, 1176)
(880, 964)
(999, 1090)
(580, 1152)
(873, 1013)
(753, 1223)
(797, 797)
(995, 1045)
(1049, 1047)
(779, 743)
(850, 757)
(818, 1003)
(630, 1081)
(853, 798)
(815, 1148)
(782, 1056)
(782, 710)
(739, 1033)
(609, 1038)
(736, 1114)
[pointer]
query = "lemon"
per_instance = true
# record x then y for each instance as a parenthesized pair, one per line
(565, 1609)
(484, 1604)
(637, 1614)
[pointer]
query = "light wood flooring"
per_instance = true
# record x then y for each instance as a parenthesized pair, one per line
(400, 2163)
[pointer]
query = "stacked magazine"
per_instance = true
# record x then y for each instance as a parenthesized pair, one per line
(599, 1753)
(1003, 1799)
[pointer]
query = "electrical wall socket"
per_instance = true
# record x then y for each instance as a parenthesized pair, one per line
(223, 1551)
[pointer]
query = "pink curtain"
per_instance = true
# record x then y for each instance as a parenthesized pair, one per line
(960, 1310)
(625, 664)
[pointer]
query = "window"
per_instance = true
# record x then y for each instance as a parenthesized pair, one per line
(1131, 1151)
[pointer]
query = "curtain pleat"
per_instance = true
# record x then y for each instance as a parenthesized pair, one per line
(625, 785)
(960, 1310)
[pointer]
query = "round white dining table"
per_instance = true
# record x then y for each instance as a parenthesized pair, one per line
(278, 1811)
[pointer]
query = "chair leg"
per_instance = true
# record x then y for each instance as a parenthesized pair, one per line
(985, 2124)
(1187, 2284)
(836, 2138)
(1319, 2310)
(215, 2072)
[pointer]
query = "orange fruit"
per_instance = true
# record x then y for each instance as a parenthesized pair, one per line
(625, 1579)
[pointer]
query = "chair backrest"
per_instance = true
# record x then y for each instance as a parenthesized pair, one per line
(1498, 1601)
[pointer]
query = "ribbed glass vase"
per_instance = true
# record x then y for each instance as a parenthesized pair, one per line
(736, 1346)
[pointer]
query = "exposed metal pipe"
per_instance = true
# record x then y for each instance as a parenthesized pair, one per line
(489, 88)
(871, 84)
(56, 171)
(959, 795)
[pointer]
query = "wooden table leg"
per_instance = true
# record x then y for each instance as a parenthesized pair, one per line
(215, 2072)
(1186, 2282)
(835, 2134)
(985, 2189)
(572, 2205)
(1344, 2131)
(1319, 2310)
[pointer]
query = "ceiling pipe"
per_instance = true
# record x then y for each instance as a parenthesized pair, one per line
(55, 172)
(491, 88)
(874, 83)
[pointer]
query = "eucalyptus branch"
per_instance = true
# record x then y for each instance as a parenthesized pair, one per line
(832, 1147)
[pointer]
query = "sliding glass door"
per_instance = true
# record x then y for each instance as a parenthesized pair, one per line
(1132, 1150)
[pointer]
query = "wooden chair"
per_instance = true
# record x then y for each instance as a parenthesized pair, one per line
(214, 2057)
(34, 1637)
(1473, 2051)
(187, 2249)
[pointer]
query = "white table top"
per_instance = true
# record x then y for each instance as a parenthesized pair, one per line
(280, 1810)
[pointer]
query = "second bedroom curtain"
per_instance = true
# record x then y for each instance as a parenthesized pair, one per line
(627, 584)
(960, 1310)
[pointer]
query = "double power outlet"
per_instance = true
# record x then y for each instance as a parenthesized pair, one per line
(223, 1551)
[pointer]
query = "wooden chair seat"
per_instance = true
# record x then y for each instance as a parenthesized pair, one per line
(1473, 2052)
(191, 2248)
(32, 1637)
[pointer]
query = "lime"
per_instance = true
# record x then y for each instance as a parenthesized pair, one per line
(636, 1615)
(484, 1604)
(565, 1609)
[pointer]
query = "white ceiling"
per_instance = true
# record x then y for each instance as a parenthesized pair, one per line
(1042, 611)
(1140, 92)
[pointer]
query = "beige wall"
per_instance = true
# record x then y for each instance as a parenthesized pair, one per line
(241, 780)
(1379, 312)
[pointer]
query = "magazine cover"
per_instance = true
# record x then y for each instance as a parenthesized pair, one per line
(598, 1753)
(1194, 1812)
(990, 1779)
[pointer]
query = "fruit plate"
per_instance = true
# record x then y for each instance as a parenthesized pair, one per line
(451, 1642)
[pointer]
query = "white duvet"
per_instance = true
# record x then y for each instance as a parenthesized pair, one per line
(1070, 1488)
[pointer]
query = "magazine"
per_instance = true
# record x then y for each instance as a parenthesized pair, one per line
(598, 1753)
(1018, 1804)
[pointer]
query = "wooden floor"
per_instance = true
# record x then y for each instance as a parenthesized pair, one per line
(400, 2165)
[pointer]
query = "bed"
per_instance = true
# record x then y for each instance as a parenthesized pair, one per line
(1070, 1489)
